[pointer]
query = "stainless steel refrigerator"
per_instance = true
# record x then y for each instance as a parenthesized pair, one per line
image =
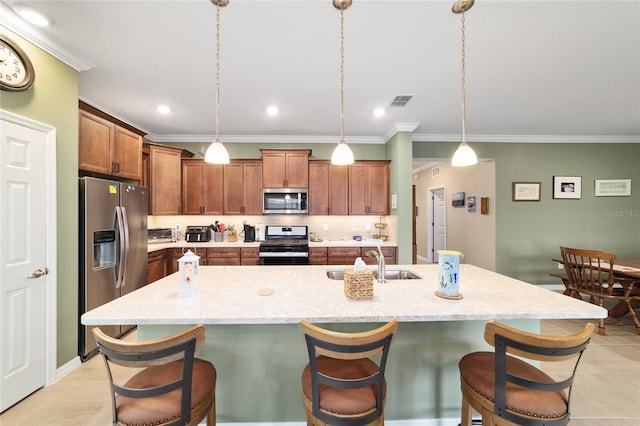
(113, 249)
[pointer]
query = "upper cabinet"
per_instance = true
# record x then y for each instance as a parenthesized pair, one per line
(243, 187)
(163, 177)
(328, 188)
(285, 168)
(201, 187)
(369, 188)
(107, 148)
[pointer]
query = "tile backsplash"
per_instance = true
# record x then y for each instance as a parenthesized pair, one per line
(325, 227)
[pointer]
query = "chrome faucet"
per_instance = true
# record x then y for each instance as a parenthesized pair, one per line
(381, 265)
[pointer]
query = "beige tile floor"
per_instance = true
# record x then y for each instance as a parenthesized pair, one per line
(606, 391)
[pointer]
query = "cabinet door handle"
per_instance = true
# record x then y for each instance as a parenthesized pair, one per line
(115, 167)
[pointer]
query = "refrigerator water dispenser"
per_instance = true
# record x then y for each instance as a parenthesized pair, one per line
(104, 248)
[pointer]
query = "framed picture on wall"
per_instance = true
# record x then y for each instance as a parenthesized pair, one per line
(457, 199)
(613, 187)
(567, 187)
(471, 203)
(526, 191)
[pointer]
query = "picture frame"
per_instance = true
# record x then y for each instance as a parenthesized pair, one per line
(457, 199)
(526, 191)
(484, 205)
(567, 187)
(471, 203)
(612, 187)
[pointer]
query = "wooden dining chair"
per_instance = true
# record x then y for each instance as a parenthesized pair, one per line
(591, 273)
(342, 385)
(169, 387)
(507, 390)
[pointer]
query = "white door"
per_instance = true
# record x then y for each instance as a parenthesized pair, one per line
(23, 291)
(439, 228)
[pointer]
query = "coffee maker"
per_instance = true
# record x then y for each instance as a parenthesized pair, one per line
(249, 233)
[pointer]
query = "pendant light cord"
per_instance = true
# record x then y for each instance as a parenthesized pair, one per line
(217, 72)
(341, 75)
(464, 90)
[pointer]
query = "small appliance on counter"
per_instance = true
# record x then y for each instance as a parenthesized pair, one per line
(161, 235)
(249, 233)
(260, 230)
(198, 234)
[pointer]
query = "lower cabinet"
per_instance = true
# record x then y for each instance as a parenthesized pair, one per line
(157, 265)
(317, 255)
(389, 254)
(223, 256)
(348, 255)
(250, 256)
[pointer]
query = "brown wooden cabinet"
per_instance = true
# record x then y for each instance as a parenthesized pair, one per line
(108, 149)
(328, 188)
(317, 255)
(285, 168)
(163, 177)
(202, 185)
(174, 254)
(369, 188)
(249, 256)
(157, 265)
(389, 254)
(243, 187)
(342, 255)
(348, 255)
(223, 256)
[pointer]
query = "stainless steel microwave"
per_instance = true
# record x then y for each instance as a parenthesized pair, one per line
(285, 201)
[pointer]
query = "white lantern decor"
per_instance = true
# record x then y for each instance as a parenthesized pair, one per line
(188, 274)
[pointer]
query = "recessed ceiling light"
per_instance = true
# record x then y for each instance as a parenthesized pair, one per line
(32, 15)
(379, 112)
(164, 109)
(272, 110)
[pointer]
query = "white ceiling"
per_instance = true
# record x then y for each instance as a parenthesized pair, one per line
(536, 70)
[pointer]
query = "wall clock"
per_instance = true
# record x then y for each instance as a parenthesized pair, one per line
(16, 70)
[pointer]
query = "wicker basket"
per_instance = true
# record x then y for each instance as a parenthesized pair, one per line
(358, 285)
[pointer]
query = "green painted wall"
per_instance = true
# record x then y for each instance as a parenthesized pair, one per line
(529, 234)
(53, 100)
(399, 151)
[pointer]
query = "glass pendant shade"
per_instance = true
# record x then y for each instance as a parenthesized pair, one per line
(216, 153)
(342, 155)
(464, 156)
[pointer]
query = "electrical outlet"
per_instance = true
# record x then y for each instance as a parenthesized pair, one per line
(560, 266)
(325, 227)
(177, 227)
(368, 227)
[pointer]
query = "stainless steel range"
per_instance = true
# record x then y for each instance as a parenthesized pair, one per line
(285, 245)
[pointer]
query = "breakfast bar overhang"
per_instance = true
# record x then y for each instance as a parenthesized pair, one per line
(253, 338)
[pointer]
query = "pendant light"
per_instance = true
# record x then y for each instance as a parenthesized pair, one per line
(464, 155)
(342, 154)
(217, 153)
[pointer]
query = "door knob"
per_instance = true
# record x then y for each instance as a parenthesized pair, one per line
(38, 273)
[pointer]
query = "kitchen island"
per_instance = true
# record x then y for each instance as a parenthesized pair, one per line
(255, 344)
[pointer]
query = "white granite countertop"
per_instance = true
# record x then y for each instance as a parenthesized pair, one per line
(229, 295)
(240, 243)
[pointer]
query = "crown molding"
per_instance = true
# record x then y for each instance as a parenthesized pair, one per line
(14, 23)
(400, 127)
(263, 139)
(528, 138)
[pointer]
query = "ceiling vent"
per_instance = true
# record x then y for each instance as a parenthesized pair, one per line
(401, 100)
(435, 171)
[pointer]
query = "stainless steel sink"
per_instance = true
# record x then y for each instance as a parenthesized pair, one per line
(391, 274)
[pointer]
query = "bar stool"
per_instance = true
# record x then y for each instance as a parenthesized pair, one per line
(173, 387)
(507, 390)
(341, 385)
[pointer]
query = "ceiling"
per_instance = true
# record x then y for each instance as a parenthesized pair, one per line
(542, 71)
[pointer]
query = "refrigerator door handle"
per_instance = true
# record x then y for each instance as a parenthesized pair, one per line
(121, 247)
(125, 226)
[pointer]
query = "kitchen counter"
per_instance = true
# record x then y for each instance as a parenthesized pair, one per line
(240, 243)
(229, 295)
(255, 343)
